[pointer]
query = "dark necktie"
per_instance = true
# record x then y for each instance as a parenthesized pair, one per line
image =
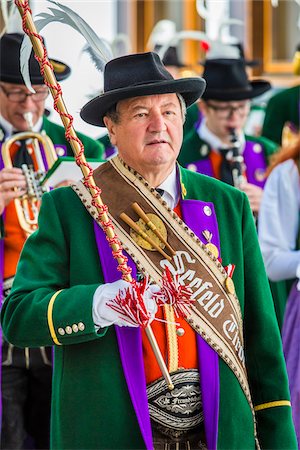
(22, 156)
(226, 166)
(160, 191)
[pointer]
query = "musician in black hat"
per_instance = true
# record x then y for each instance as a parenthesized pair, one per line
(26, 374)
(217, 145)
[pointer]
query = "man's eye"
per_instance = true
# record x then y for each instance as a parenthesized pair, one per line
(169, 113)
(141, 114)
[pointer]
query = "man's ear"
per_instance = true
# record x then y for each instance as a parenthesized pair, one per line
(110, 125)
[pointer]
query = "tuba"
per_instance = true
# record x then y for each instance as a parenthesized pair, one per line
(28, 205)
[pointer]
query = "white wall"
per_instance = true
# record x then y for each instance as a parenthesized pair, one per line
(65, 44)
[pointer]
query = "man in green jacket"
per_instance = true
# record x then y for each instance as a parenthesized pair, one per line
(216, 145)
(283, 110)
(26, 374)
(224, 383)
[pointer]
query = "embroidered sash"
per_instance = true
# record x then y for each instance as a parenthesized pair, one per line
(216, 314)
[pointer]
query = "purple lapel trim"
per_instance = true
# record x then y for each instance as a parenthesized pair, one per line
(255, 163)
(130, 341)
(203, 166)
(194, 216)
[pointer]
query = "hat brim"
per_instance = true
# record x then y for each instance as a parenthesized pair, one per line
(191, 90)
(61, 71)
(256, 88)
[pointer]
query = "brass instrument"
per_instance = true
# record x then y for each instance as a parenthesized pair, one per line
(237, 160)
(28, 205)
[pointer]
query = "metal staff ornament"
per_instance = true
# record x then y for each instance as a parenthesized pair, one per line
(78, 149)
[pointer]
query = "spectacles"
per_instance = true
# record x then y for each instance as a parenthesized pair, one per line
(225, 112)
(21, 96)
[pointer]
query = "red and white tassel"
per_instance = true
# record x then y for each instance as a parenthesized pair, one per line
(130, 304)
(175, 294)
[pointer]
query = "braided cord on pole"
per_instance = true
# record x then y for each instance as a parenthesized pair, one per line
(78, 149)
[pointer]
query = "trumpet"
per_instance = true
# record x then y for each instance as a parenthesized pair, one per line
(237, 160)
(28, 205)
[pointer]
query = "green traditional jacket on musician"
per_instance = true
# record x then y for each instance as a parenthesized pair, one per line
(93, 149)
(88, 373)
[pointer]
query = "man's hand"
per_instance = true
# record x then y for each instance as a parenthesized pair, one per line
(10, 179)
(254, 194)
(104, 315)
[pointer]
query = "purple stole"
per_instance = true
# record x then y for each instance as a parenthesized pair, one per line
(130, 339)
(254, 161)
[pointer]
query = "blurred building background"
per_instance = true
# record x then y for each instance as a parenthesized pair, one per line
(269, 31)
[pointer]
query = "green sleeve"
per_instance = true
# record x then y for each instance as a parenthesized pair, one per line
(263, 349)
(275, 118)
(43, 270)
(92, 148)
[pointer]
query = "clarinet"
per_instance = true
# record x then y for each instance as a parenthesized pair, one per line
(237, 160)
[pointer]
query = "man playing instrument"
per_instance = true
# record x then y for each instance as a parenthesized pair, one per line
(228, 385)
(26, 374)
(216, 145)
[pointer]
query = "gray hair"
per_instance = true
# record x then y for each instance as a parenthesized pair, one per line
(114, 115)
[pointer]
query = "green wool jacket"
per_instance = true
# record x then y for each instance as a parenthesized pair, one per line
(91, 406)
(92, 148)
(281, 108)
(194, 148)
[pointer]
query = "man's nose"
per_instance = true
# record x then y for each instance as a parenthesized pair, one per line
(28, 102)
(157, 122)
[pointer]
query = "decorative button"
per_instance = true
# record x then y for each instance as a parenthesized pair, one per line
(213, 249)
(257, 148)
(180, 331)
(207, 210)
(75, 327)
(60, 151)
(68, 330)
(192, 167)
(203, 150)
(81, 326)
(229, 285)
(61, 331)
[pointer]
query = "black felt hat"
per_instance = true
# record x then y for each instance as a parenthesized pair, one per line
(227, 80)
(137, 75)
(170, 57)
(10, 44)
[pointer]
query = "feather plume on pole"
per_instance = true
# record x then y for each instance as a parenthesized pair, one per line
(9, 18)
(98, 48)
(77, 147)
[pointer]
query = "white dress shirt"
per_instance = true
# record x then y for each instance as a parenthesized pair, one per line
(278, 222)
